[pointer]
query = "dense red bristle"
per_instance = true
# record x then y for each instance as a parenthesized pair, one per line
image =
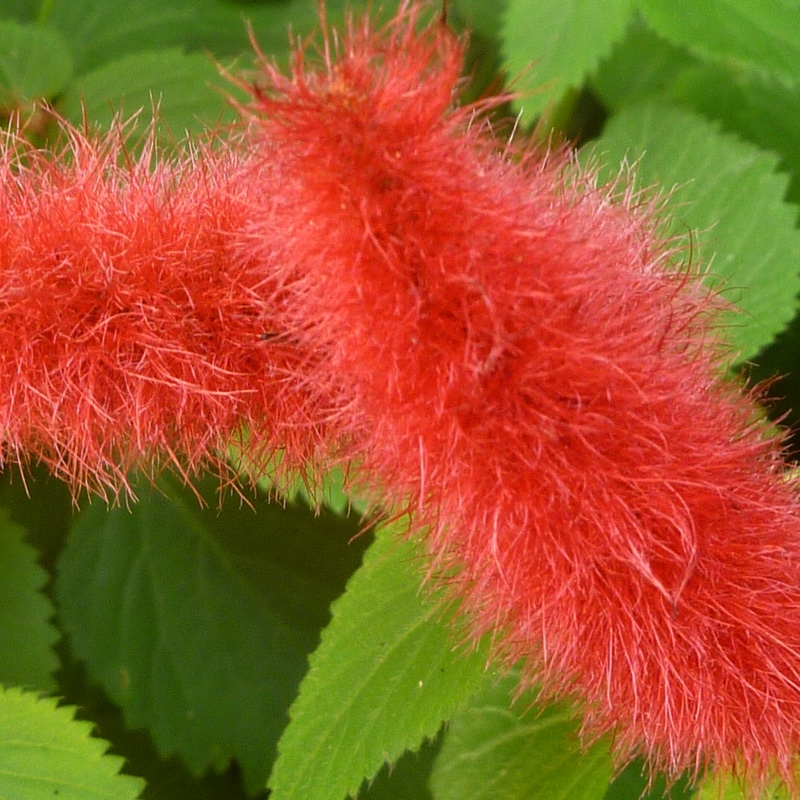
(522, 358)
(131, 337)
(516, 353)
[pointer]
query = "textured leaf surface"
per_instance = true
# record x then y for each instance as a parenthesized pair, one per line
(181, 86)
(550, 46)
(757, 34)
(505, 748)
(26, 633)
(385, 677)
(728, 194)
(46, 754)
(34, 63)
(199, 622)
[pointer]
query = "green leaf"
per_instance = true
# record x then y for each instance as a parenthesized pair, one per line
(482, 17)
(758, 34)
(641, 66)
(387, 674)
(406, 778)
(550, 46)
(34, 63)
(42, 505)
(100, 32)
(187, 90)
(727, 193)
(26, 634)
(21, 10)
(45, 753)
(763, 111)
(505, 746)
(726, 787)
(199, 622)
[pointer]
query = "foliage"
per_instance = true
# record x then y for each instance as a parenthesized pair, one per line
(201, 634)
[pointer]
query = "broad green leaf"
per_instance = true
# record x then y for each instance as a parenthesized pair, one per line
(550, 46)
(387, 674)
(504, 746)
(728, 195)
(187, 91)
(199, 622)
(46, 754)
(26, 633)
(756, 34)
(35, 63)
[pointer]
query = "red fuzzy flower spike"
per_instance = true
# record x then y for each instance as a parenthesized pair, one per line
(519, 354)
(130, 336)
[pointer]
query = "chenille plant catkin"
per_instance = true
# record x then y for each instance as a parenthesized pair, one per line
(527, 363)
(131, 337)
(364, 273)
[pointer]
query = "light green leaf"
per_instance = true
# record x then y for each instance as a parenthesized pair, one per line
(199, 622)
(758, 34)
(35, 63)
(46, 754)
(26, 634)
(550, 46)
(187, 90)
(505, 746)
(387, 674)
(728, 194)
(726, 787)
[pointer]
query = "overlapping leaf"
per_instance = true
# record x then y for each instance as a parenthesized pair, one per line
(186, 91)
(506, 747)
(550, 46)
(199, 623)
(35, 63)
(756, 34)
(728, 195)
(45, 753)
(385, 677)
(27, 634)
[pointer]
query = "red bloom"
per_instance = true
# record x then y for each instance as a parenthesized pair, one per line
(519, 354)
(129, 334)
